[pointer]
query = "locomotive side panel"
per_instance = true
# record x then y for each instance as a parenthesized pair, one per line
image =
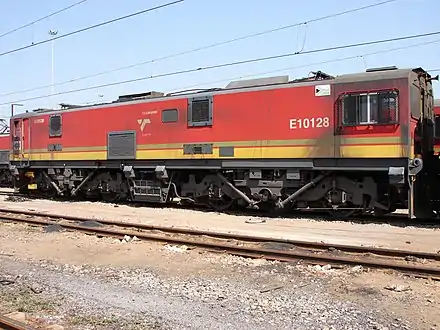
(5, 144)
(82, 134)
(278, 123)
(294, 122)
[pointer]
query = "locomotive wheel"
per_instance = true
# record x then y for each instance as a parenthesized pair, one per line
(110, 197)
(341, 213)
(49, 193)
(221, 204)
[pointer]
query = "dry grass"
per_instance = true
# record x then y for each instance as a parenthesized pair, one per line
(24, 300)
(113, 322)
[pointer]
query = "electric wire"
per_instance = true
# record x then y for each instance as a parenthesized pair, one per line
(193, 50)
(42, 18)
(339, 59)
(228, 64)
(90, 27)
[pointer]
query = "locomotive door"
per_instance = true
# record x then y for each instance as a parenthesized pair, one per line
(20, 139)
(17, 138)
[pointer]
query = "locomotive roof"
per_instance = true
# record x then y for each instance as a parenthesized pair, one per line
(234, 87)
(437, 103)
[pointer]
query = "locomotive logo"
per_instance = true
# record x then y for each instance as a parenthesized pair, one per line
(143, 122)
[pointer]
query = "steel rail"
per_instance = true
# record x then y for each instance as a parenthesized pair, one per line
(184, 231)
(254, 252)
(6, 323)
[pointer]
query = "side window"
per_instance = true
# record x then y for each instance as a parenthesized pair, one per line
(415, 101)
(437, 126)
(200, 111)
(55, 125)
(170, 116)
(370, 108)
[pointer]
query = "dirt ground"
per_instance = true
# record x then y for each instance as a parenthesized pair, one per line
(337, 232)
(375, 299)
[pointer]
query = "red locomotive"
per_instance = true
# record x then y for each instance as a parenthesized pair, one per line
(353, 143)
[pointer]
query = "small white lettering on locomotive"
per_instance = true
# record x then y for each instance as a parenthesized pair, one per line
(39, 121)
(146, 113)
(308, 123)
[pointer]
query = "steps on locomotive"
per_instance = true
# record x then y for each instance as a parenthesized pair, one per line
(147, 191)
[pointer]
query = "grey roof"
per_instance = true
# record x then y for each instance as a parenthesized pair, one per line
(252, 84)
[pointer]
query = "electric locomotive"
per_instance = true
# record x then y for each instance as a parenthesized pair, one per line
(354, 143)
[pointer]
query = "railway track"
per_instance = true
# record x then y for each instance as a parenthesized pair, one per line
(7, 323)
(417, 263)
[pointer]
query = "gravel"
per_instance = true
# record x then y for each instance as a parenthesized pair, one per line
(246, 299)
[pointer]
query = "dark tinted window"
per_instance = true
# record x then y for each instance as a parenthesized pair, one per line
(169, 115)
(55, 125)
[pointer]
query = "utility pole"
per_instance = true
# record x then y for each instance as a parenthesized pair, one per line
(12, 107)
(53, 33)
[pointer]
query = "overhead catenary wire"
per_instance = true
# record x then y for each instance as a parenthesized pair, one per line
(193, 50)
(308, 65)
(187, 88)
(91, 27)
(42, 18)
(228, 64)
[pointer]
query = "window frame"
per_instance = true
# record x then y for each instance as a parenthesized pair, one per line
(369, 121)
(51, 134)
(204, 123)
(436, 116)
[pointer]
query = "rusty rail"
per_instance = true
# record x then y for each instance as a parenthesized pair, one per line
(254, 252)
(194, 232)
(7, 323)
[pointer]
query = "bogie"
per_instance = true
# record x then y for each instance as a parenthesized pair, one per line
(266, 190)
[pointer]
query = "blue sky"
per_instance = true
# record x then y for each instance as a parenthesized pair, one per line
(196, 23)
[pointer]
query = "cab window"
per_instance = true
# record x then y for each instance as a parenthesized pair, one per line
(372, 108)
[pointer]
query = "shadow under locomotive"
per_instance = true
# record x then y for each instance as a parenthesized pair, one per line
(393, 219)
